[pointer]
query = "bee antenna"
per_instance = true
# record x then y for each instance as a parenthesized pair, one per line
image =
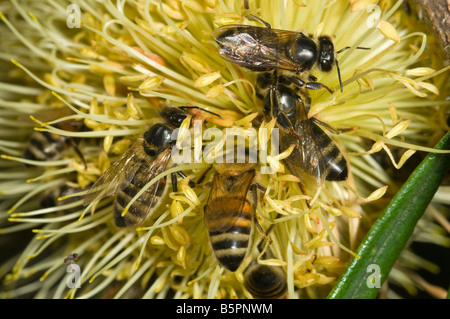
(339, 76)
(78, 152)
(346, 48)
(199, 108)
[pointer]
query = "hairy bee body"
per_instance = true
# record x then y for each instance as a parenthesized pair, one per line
(229, 213)
(244, 45)
(321, 158)
(264, 281)
(46, 146)
(264, 49)
(315, 152)
(43, 146)
(133, 182)
(149, 156)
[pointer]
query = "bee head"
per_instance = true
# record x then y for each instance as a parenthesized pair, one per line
(173, 115)
(326, 54)
(303, 51)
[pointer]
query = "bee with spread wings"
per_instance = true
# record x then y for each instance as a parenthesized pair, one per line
(149, 156)
(264, 49)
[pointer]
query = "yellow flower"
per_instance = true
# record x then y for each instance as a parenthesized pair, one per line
(113, 66)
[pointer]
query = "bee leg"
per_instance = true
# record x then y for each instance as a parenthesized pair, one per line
(261, 230)
(183, 176)
(317, 86)
(198, 182)
(78, 152)
(330, 128)
(259, 187)
(200, 179)
(254, 189)
(309, 85)
(203, 176)
(174, 182)
(257, 19)
(312, 78)
(271, 227)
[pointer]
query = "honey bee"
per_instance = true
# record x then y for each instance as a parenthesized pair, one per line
(51, 197)
(315, 152)
(46, 146)
(264, 281)
(229, 212)
(149, 156)
(264, 49)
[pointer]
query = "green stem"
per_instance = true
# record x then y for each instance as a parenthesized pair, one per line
(383, 244)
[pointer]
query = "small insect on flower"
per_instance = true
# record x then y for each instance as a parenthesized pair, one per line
(72, 258)
(46, 146)
(315, 152)
(148, 157)
(265, 48)
(230, 212)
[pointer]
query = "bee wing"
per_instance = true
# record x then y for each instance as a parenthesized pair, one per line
(277, 37)
(307, 154)
(252, 47)
(281, 40)
(56, 113)
(149, 197)
(228, 200)
(107, 184)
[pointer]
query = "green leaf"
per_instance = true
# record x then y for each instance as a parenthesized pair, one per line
(388, 236)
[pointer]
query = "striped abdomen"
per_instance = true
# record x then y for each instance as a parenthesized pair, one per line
(229, 221)
(335, 165)
(44, 146)
(144, 204)
(264, 281)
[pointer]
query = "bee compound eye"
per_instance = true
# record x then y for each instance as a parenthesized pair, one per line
(326, 63)
(173, 115)
(177, 119)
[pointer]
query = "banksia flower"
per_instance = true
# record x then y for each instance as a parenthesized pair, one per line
(112, 67)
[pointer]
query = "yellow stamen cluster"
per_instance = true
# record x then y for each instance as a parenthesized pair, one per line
(128, 59)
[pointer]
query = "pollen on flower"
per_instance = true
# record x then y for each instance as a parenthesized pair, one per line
(117, 71)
